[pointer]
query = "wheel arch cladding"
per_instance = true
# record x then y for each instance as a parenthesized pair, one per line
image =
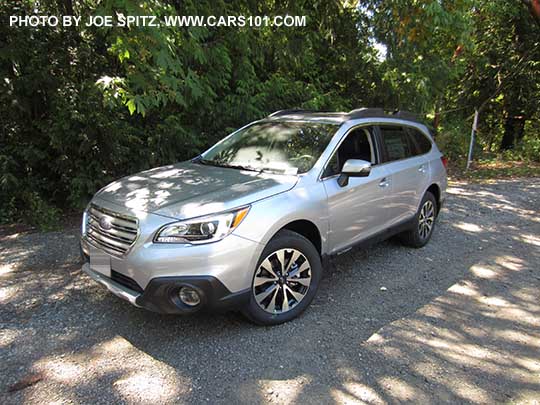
(436, 191)
(308, 230)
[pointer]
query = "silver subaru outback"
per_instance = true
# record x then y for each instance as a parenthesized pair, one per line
(249, 223)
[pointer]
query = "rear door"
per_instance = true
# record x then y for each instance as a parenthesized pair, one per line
(407, 170)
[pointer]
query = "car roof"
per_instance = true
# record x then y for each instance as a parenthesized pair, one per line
(340, 117)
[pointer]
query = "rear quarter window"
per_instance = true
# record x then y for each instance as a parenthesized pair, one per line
(396, 143)
(422, 144)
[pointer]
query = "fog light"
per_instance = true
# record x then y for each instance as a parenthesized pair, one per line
(189, 296)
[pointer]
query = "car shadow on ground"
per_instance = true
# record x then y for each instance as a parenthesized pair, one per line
(455, 321)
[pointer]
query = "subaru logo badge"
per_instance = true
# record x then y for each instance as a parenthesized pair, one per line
(105, 223)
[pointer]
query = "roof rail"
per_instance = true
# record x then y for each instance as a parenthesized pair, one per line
(367, 112)
(290, 111)
(406, 115)
(379, 112)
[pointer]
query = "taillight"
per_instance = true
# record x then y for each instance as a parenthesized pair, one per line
(444, 161)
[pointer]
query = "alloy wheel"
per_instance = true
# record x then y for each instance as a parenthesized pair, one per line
(426, 219)
(282, 281)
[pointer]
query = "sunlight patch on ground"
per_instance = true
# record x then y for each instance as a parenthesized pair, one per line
(115, 345)
(531, 239)
(356, 393)
(472, 393)
(495, 301)
(480, 346)
(137, 376)
(284, 391)
(468, 227)
(483, 271)
(510, 262)
(515, 336)
(6, 293)
(464, 288)
(375, 338)
(6, 269)
(9, 336)
(146, 386)
(400, 390)
(64, 371)
(12, 236)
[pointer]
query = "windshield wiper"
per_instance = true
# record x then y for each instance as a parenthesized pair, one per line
(208, 162)
(211, 162)
(241, 167)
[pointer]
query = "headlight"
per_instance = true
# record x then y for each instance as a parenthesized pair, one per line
(84, 222)
(201, 230)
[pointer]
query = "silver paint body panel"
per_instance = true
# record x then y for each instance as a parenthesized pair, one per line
(343, 215)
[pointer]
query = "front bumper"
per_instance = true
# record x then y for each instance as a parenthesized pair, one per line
(231, 260)
(161, 294)
(149, 274)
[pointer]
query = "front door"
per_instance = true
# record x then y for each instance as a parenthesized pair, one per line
(357, 210)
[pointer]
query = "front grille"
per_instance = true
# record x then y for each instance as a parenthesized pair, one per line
(126, 281)
(118, 234)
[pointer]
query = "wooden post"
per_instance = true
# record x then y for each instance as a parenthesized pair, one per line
(473, 133)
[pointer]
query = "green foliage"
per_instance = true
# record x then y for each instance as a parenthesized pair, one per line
(528, 149)
(453, 140)
(421, 39)
(39, 213)
(446, 59)
(83, 106)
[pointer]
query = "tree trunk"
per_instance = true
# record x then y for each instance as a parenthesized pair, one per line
(437, 117)
(534, 8)
(67, 6)
(514, 129)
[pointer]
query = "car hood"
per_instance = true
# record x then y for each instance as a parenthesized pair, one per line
(187, 190)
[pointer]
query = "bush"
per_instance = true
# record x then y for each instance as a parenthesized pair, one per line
(39, 213)
(453, 141)
(529, 148)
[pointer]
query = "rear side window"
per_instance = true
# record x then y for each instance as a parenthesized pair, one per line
(396, 143)
(421, 143)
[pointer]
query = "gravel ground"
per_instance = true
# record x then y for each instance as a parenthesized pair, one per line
(457, 322)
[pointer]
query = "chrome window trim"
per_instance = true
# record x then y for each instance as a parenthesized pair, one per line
(378, 122)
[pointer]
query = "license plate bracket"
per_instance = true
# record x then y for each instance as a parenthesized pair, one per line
(100, 262)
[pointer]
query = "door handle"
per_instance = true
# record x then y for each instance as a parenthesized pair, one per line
(422, 169)
(384, 183)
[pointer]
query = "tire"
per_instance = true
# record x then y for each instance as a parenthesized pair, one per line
(424, 222)
(276, 297)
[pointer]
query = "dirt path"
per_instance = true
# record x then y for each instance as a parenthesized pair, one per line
(458, 321)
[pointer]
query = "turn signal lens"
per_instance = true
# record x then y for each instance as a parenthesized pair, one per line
(239, 217)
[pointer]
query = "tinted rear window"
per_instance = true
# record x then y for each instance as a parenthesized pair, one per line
(396, 143)
(421, 142)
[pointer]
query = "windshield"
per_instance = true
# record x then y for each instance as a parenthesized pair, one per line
(278, 146)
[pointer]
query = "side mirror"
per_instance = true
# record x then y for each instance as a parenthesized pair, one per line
(353, 168)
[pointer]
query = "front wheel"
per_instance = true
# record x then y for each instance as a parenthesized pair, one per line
(424, 221)
(285, 280)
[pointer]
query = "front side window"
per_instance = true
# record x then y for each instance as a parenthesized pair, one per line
(278, 146)
(358, 144)
(396, 143)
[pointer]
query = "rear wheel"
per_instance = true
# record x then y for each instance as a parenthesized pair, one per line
(424, 221)
(285, 280)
